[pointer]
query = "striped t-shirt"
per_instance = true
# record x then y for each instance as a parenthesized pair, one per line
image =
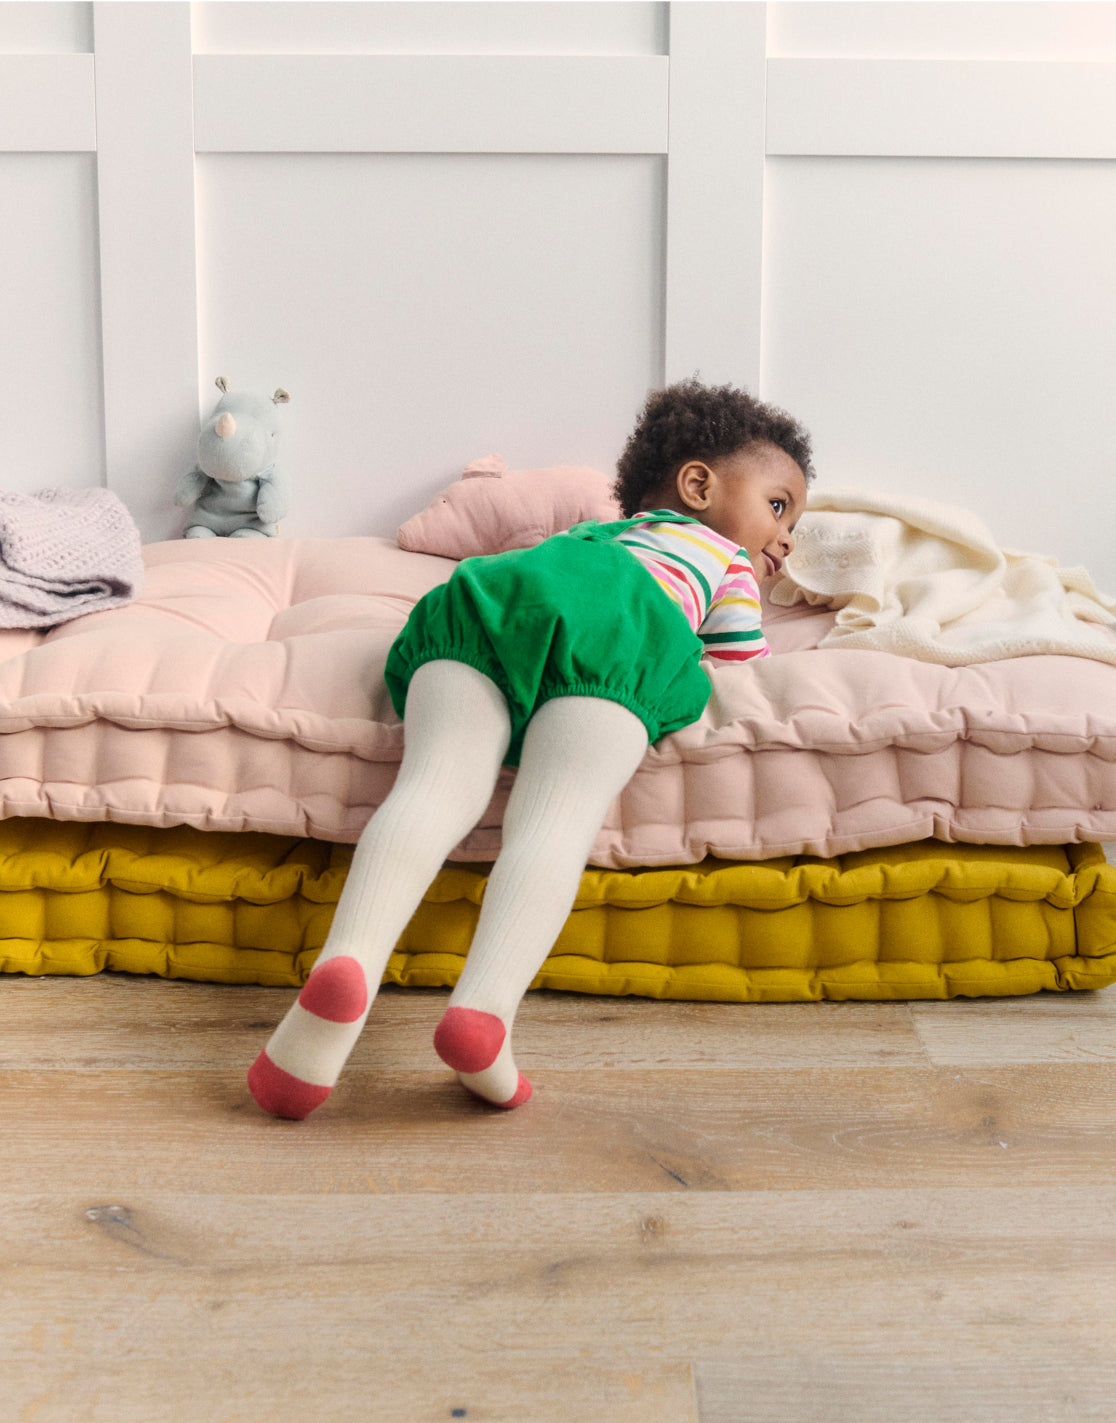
(710, 579)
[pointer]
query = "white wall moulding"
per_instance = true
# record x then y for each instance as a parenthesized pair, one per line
(47, 103)
(430, 104)
(496, 226)
(430, 27)
(148, 264)
(906, 108)
(714, 213)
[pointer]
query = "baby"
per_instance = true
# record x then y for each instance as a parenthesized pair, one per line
(565, 660)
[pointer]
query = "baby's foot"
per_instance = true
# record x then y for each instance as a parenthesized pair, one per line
(304, 1056)
(477, 1047)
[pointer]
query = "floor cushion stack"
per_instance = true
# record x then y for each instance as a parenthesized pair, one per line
(922, 920)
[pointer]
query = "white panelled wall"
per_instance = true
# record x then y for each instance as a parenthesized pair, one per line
(456, 228)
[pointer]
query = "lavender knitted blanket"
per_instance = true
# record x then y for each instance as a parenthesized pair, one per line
(65, 552)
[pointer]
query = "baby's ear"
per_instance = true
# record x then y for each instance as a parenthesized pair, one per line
(222, 384)
(280, 397)
(491, 467)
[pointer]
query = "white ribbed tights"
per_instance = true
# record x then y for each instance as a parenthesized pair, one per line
(578, 754)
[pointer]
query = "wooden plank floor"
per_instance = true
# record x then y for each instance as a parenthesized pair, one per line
(832, 1213)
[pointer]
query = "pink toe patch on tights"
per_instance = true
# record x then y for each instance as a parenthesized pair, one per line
(336, 990)
(469, 1040)
(281, 1093)
(522, 1093)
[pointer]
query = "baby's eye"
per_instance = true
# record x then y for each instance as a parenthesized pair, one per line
(782, 506)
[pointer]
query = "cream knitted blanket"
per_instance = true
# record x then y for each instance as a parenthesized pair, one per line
(928, 581)
(65, 552)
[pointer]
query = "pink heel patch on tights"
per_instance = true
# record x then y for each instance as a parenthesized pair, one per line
(336, 990)
(281, 1093)
(469, 1040)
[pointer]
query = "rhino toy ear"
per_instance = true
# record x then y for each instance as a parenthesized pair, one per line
(222, 384)
(280, 397)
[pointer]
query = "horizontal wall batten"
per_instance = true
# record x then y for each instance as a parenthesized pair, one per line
(430, 104)
(47, 103)
(941, 108)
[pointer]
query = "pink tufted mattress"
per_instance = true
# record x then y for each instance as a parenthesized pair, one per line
(243, 691)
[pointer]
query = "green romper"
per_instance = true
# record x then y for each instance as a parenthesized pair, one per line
(576, 616)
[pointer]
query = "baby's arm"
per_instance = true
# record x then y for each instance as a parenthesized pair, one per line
(731, 630)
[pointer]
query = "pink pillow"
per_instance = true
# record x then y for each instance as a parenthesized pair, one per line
(493, 508)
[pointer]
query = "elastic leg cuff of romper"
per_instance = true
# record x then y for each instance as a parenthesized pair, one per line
(491, 669)
(651, 723)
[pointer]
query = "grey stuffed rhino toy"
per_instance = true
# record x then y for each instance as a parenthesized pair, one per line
(236, 489)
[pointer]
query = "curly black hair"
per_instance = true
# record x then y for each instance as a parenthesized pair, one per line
(692, 421)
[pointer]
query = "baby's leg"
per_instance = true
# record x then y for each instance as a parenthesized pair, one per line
(578, 754)
(456, 732)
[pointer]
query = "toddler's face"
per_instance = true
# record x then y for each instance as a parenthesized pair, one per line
(753, 498)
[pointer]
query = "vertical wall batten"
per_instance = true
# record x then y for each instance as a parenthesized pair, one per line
(714, 208)
(148, 270)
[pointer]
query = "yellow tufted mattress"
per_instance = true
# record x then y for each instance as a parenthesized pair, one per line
(926, 920)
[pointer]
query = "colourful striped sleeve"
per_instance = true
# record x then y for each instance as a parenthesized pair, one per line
(686, 559)
(731, 631)
(674, 583)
